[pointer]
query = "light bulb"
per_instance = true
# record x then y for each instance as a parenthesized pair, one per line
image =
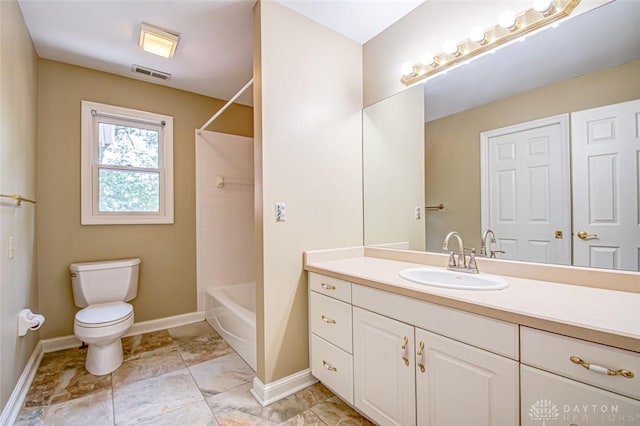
(428, 59)
(543, 6)
(508, 20)
(451, 47)
(406, 68)
(477, 34)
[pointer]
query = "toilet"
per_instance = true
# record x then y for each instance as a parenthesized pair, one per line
(102, 290)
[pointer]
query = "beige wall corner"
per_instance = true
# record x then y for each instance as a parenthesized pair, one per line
(309, 85)
(425, 29)
(18, 119)
(258, 188)
(167, 283)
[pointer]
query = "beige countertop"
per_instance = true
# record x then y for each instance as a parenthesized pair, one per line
(604, 316)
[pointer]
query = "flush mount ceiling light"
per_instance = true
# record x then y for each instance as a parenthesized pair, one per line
(511, 27)
(157, 40)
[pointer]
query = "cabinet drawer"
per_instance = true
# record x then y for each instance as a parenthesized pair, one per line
(333, 367)
(552, 352)
(331, 320)
(332, 287)
(553, 400)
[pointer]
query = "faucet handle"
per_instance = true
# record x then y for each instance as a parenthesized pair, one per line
(493, 253)
(472, 261)
(452, 260)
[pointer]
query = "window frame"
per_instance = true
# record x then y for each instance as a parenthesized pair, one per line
(90, 168)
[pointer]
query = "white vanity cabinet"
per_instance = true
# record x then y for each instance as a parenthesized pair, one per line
(556, 388)
(406, 375)
(407, 362)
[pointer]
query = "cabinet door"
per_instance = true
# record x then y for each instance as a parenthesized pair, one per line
(463, 385)
(384, 378)
(554, 400)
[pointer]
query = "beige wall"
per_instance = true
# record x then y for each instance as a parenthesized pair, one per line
(18, 118)
(167, 283)
(425, 29)
(308, 149)
(393, 156)
(452, 144)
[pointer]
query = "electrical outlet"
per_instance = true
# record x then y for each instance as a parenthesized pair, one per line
(281, 212)
(418, 214)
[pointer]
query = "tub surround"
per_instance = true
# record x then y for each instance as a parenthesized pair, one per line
(606, 315)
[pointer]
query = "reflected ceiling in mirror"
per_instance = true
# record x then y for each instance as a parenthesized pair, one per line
(596, 40)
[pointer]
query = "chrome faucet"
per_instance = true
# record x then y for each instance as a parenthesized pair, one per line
(461, 263)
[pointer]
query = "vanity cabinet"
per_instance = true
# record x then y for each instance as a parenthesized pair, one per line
(405, 361)
(404, 375)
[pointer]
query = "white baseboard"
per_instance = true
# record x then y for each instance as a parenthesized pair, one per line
(16, 399)
(162, 323)
(66, 342)
(275, 391)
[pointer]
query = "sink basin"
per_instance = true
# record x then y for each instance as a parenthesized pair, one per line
(453, 279)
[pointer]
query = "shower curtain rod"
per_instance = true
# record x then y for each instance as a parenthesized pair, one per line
(227, 105)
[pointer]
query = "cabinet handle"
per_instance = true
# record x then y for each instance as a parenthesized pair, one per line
(602, 370)
(405, 355)
(328, 320)
(328, 366)
(328, 286)
(419, 353)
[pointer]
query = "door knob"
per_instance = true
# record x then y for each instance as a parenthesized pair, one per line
(583, 235)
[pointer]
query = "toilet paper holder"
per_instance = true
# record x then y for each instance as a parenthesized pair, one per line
(27, 320)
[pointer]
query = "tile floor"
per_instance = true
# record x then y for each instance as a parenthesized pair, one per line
(183, 376)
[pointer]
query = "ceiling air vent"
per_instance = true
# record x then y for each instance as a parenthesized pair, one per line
(151, 73)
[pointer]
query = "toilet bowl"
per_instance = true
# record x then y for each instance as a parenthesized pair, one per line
(102, 290)
(101, 327)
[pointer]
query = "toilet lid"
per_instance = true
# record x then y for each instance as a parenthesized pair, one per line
(104, 314)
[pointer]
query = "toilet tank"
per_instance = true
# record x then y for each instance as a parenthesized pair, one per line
(105, 281)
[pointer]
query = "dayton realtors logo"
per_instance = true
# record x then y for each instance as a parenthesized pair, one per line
(543, 411)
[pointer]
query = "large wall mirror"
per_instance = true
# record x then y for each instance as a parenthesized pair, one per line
(557, 82)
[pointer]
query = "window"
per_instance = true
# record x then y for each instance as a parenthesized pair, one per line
(127, 166)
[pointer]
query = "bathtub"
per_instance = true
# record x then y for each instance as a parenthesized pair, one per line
(231, 311)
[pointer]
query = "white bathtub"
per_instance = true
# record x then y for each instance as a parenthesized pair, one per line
(231, 310)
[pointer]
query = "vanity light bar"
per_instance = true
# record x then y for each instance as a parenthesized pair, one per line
(525, 22)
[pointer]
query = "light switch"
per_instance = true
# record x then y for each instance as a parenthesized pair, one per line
(281, 212)
(12, 247)
(418, 214)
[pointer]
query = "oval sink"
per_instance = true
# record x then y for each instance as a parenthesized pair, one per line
(453, 279)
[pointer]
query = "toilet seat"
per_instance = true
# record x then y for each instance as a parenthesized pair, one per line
(104, 315)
